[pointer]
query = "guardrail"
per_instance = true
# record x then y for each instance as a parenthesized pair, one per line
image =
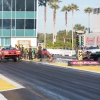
(62, 52)
(62, 60)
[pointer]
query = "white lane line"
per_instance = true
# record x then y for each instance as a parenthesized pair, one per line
(2, 97)
(18, 86)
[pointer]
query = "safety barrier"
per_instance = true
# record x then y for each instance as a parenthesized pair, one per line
(62, 52)
(61, 60)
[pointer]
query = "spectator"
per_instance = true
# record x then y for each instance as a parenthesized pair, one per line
(2, 47)
(10, 46)
(30, 53)
(22, 51)
(36, 53)
(25, 53)
(33, 52)
(39, 51)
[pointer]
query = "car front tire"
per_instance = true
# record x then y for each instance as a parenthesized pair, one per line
(98, 59)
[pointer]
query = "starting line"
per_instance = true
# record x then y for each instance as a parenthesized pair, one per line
(7, 84)
(2, 97)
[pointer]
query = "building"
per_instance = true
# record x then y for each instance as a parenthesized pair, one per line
(96, 20)
(93, 39)
(18, 22)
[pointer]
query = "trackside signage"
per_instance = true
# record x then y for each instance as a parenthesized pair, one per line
(90, 41)
(98, 40)
(73, 63)
(25, 43)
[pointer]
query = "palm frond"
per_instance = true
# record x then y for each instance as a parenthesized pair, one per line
(88, 10)
(74, 7)
(54, 6)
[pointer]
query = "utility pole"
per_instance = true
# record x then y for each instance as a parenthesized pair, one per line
(10, 33)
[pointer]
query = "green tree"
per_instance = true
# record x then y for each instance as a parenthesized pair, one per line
(73, 7)
(88, 10)
(66, 9)
(61, 35)
(54, 6)
(40, 37)
(58, 44)
(49, 44)
(49, 37)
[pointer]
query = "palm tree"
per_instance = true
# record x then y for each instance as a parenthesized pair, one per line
(73, 7)
(41, 2)
(66, 9)
(44, 3)
(88, 10)
(54, 6)
(45, 10)
(79, 27)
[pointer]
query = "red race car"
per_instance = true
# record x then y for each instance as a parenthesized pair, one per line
(10, 53)
(45, 53)
(0, 55)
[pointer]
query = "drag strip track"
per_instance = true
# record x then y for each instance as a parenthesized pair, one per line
(47, 82)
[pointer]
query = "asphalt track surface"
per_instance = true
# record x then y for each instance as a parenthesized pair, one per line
(46, 82)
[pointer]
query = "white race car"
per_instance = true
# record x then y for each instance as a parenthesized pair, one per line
(89, 50)
(92, 49)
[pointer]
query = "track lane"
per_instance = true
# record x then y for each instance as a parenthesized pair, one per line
(57, 80)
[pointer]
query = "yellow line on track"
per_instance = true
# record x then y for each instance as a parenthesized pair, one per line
(86, 68)
(4, 85)
(7, 84)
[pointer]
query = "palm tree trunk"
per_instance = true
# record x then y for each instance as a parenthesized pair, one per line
(66, 21)
(64, 39)
(89, 22)
(45, 26)
(72, 26)
(54, 26)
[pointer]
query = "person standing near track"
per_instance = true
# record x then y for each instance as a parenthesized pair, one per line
(22, 51)
(77, 48)
(30, 53)
(40, 51)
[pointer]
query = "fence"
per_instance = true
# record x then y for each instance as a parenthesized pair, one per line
(62, 52)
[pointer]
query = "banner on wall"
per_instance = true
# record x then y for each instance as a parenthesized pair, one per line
(83, 63)
(90, 41)
(98, 40)
(25, 43)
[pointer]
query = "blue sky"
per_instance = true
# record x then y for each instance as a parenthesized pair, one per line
(79, 16)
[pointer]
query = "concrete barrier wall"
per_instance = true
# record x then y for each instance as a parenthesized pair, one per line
(62, 52)
(62, 60)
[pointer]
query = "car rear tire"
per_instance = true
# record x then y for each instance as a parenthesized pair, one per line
(0, 58)
(15, 59)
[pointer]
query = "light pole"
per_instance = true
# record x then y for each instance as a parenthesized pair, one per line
(10, 33)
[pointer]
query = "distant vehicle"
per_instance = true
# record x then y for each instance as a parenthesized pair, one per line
(10, 53)
(45, 53)
(88, 51)
(95, 56)
(92, 49)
